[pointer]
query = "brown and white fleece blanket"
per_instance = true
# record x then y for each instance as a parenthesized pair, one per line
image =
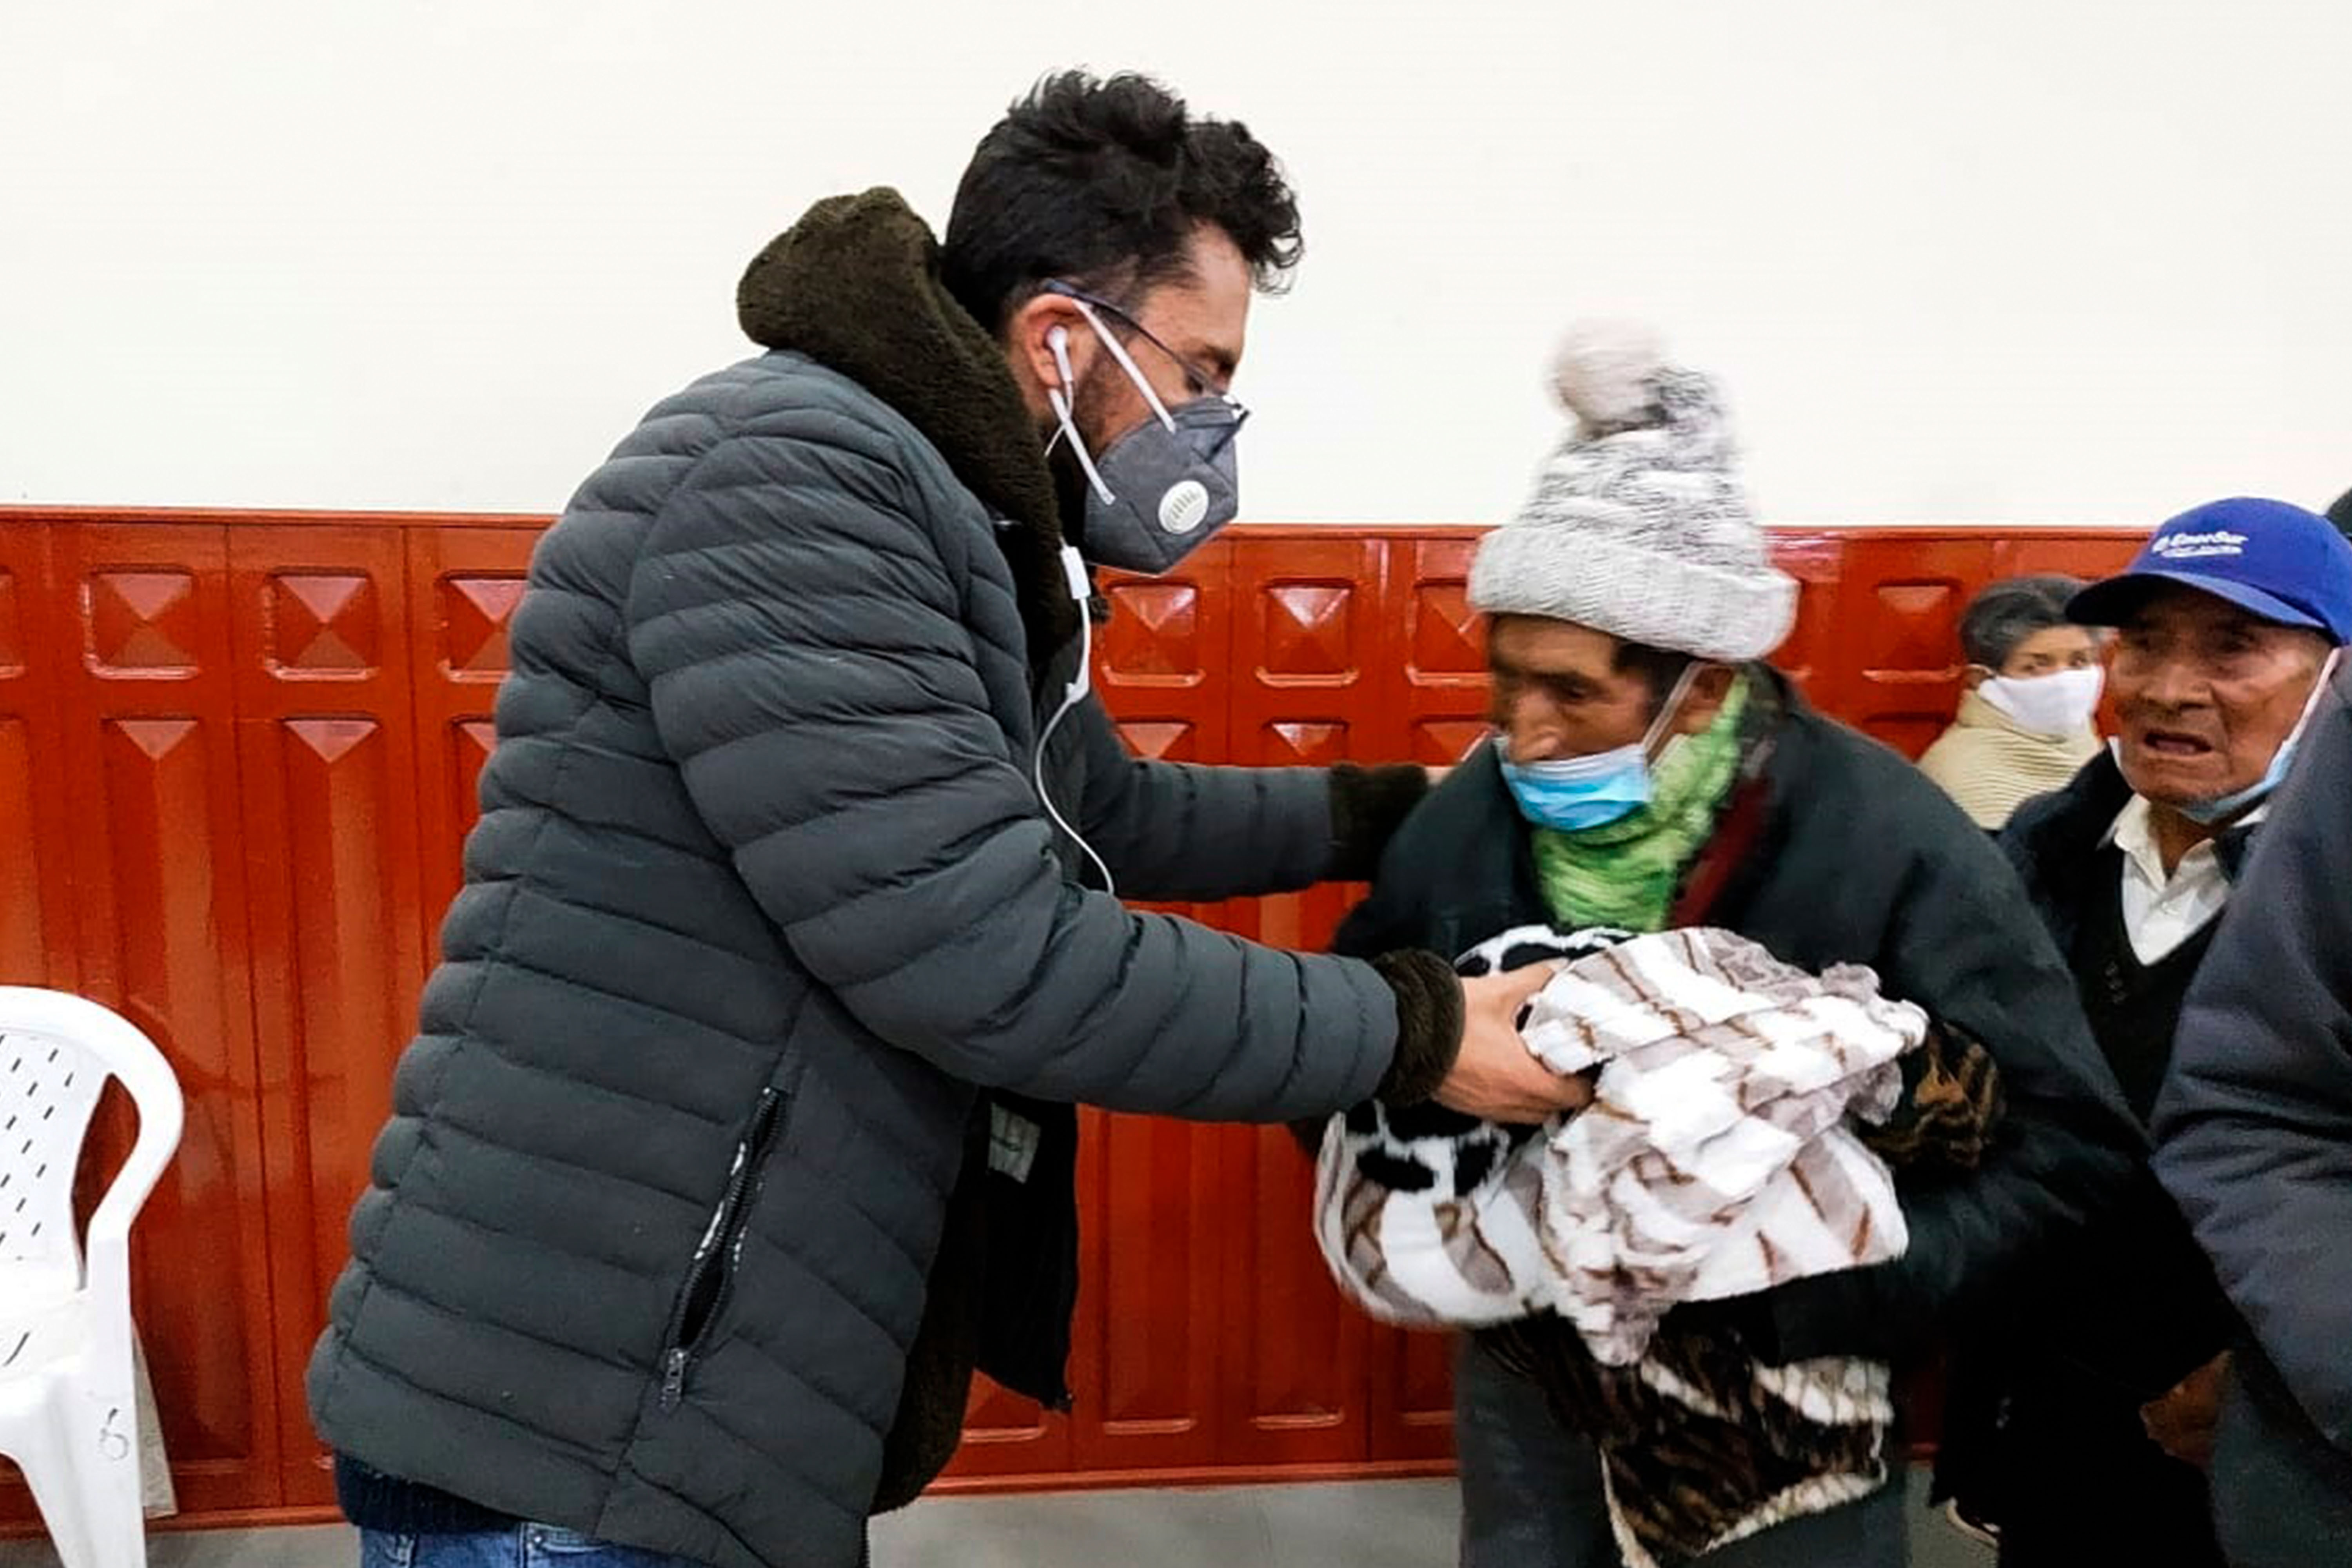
(1723, 1153)
(1716, 1159)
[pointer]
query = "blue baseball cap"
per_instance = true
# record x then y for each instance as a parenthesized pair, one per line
(2271, 559)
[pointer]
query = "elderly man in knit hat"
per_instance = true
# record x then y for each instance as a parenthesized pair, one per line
(1651, 771)
(2082, 1412)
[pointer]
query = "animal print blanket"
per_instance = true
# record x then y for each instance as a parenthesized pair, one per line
(1715, 1161)
(1724, 1152)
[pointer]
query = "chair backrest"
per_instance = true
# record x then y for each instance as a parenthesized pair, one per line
(57, 1052)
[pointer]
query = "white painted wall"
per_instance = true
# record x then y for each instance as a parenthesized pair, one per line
(1999, 260)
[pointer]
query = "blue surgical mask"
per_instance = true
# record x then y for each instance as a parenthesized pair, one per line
(1569, 795)
(2222, 807)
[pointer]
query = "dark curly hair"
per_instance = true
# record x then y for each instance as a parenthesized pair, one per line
(1100, 181)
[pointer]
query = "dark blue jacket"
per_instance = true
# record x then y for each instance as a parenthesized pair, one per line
(2133, 1307)
(2255, 1133)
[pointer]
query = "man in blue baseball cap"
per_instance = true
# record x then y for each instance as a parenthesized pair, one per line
(2271, 557)
(2082, 1420)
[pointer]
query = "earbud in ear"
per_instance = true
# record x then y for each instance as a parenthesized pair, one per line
(1059, 341)
(1057, 338)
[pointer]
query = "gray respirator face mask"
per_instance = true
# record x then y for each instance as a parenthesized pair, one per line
(1159, 492)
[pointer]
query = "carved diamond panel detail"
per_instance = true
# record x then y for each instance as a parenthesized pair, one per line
(1168, 740)
(474, 616)
(322, 625)
(1919, 625)
(1293, 740)
(1155, 629)
(1308, 628)
(12, 628)
(1442, 742)
(155, 738)
(992, 1417)
(470, 749)
(1801, 656)
(1446, 639)
(332, 739)
(139, 623)
(24, 946)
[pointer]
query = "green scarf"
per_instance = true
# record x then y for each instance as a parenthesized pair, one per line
(1624, 873)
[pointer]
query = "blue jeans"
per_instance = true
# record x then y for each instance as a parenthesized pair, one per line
(523, 1546)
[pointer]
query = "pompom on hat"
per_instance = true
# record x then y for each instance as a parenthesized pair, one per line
(1638, 525)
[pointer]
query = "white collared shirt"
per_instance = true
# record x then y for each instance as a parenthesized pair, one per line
(2160, 912)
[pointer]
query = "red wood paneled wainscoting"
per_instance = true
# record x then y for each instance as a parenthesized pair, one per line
(238, 755)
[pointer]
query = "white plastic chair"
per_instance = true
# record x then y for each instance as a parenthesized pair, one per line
(67, 1413)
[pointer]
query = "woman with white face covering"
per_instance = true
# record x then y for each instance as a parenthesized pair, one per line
(2025, 722)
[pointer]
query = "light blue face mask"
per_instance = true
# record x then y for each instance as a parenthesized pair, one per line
(1569, 795)
(2222, 807)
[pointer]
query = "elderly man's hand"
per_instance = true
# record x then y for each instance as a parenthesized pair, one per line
(2182, 1422)
(1496, 1076)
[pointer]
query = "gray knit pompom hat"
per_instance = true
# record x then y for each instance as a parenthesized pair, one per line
(1638, 525)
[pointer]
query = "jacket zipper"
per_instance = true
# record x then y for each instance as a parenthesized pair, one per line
(702, 1296)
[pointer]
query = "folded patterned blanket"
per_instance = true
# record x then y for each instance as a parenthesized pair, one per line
(1727, 1151)
(1715, 1161)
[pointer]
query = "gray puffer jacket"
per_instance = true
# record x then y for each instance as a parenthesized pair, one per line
(762, 905)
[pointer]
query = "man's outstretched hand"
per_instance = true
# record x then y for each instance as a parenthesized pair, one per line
(1494, 1075)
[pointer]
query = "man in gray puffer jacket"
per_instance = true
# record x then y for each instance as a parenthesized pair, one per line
(739, 1129)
